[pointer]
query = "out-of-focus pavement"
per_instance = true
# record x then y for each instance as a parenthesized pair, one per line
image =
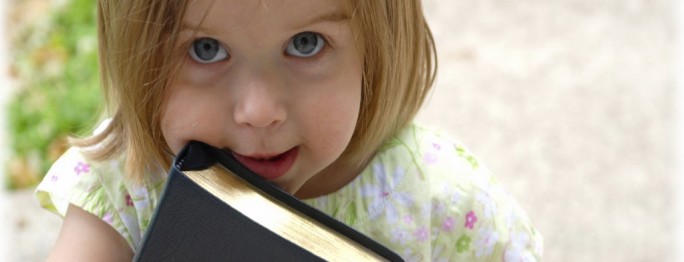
(4, 198)
(26, 231)
(569, 102)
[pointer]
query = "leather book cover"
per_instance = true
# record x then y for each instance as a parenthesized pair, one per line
(214, 209)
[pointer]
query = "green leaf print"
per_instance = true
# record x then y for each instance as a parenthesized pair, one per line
(393, 142)
(463, 244)
(351, 214)
(469, 157)
(144, 224)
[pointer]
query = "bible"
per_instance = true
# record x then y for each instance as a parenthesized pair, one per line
(215, 209)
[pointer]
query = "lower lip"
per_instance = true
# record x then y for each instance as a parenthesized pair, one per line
(270, 169)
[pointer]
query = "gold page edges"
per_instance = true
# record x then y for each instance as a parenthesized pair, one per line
(280, 218)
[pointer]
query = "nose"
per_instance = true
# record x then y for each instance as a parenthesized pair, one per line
(260, 104)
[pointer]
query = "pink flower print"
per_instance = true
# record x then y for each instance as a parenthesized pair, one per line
(471, 218)
(448, 224)
(108, 217)
(408, 219)
(129, 201)
(422, 234)
(463, 244)
(380, 197)
(436, 146)
(384, 199)
(54, 178)
(430, 158)
(81, 168)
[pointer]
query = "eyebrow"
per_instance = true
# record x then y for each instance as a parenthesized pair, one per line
(326, 17)
(198, 28)
(335, 16)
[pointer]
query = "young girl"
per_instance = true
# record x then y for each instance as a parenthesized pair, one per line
(315, 96)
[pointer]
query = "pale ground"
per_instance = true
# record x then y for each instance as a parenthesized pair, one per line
(569, 102)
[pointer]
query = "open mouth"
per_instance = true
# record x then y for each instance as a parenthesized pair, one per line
(269, 166)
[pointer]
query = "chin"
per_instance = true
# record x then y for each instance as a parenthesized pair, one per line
(288, 188)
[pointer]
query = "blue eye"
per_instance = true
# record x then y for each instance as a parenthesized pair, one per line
(207, 50)
(305, 44)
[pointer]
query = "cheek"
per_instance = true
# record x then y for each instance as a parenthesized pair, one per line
(348, 96)
(175, 124)
(186, 117)
(335, 113)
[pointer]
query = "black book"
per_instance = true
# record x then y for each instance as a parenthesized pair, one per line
(214, 209)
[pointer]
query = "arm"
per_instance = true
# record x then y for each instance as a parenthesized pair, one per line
(85, 237)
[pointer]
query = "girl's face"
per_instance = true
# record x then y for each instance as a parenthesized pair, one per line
(276, 83)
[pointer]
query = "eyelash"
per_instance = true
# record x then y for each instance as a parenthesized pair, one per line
(307, 60)
(318, 44)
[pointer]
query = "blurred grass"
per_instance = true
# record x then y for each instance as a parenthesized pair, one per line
(54, 61)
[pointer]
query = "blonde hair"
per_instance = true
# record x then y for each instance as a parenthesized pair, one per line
(138, 57)
(399, 69)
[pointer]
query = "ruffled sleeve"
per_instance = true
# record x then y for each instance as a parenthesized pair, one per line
(100, 189)
(473, 217)
(426, 197)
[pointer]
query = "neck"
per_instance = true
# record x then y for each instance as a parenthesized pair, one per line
(329, 180)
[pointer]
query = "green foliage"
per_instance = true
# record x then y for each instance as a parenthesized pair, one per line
(55, 62)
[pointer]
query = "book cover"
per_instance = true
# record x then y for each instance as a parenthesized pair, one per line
(214, 209)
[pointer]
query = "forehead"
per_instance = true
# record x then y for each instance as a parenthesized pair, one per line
(216, 15)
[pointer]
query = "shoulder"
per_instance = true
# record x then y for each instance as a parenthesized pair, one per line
(425, 196)
(99, 188)
(67, 173)
(462, 201)
(433, 154)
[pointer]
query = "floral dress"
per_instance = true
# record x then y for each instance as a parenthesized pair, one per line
(429, 199)
(423, 195)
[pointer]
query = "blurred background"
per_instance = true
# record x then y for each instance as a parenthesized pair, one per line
(571, 103)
